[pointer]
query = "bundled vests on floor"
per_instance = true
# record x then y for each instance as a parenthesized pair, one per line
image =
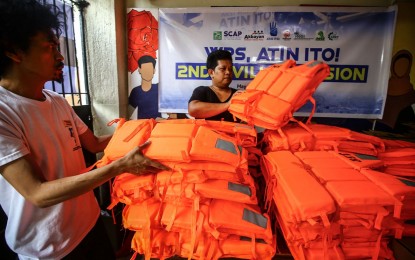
(332, 205)
(206, 206)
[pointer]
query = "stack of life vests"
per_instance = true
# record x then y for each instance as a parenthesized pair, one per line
(336, 193)
(337, 205)
(205, 207)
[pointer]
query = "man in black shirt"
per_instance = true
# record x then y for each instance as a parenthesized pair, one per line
(212, 102)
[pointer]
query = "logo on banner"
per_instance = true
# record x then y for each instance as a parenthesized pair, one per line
(332, 36)
(301, 36)
(320, 36)
(286, 34)
(217, 35)
(256, 35)
(273, 31)
(232, 35)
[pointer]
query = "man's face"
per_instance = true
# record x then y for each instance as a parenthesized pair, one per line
(146, 71)
(222, 74)
(42, 60)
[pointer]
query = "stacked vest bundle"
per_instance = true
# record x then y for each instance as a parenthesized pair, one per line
(277, 91)
(205, 206)
(316, 137)
(333, 205)
(399, 161)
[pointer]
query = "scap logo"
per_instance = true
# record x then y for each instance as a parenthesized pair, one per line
(217, 35)
(232, 33)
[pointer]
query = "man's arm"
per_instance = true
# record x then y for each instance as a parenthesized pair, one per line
(199, 109)
(92, 143)
(27, 178)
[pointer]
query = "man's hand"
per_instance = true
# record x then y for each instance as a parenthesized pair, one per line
(136, 163)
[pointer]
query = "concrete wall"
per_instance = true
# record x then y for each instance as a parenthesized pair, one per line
(107, 49)
(100, 37)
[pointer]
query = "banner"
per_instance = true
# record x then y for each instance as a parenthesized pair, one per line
(356, 42)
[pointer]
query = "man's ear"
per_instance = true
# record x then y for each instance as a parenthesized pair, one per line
(14, 56)
(210, 72)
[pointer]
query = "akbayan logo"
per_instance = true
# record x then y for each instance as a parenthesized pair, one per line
(256, 35)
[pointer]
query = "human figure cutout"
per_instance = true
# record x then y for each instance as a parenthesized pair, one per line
(401, 93)
(144, 98)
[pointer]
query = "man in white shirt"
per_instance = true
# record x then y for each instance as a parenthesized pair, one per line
(51, 209)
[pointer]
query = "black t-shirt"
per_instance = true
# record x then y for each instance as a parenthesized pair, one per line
(206, 94)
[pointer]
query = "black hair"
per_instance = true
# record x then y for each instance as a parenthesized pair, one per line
(20, 20)
(146, 59)
(214, 56)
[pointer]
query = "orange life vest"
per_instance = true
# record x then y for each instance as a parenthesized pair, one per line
(245, 135)
(399, 161)
(277, 92)
(162, 245)
(127, 135)
(308, 200)
(317, 137)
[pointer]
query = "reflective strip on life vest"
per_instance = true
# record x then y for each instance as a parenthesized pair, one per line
(222, 189)
(239, 219)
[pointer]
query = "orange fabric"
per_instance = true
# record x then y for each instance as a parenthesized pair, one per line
(245, 135)
(286, 87)
(241, 247)
(162, 244)
(331, 159)
(409, 230)
(195, 147)
(307, 198)
(400, 188)
(141, 216)
(130, 189)
(368, 204)
(367, 250)
(321, 137)
(127, 135)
